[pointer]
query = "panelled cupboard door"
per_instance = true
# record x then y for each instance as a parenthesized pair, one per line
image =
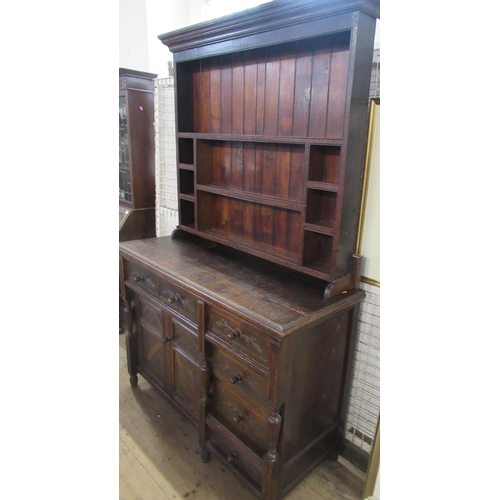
(154, 342)
(185, 369)
(168, 354)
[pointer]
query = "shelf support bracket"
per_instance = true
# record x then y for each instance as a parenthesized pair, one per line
(347, 282)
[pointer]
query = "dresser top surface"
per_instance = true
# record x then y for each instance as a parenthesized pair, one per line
(271, 295)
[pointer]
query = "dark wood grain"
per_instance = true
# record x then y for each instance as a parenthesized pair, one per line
(268, 398)
(276, 296)
(247, 314)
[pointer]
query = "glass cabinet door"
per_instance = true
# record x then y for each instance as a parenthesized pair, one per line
(125, 185)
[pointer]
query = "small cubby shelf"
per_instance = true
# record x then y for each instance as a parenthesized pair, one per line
(321, 208)
(318, 251)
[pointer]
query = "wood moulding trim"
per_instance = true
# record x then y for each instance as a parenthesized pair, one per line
(266, 17)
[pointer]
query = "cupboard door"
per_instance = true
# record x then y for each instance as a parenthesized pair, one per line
(186, 375)
(154, 342)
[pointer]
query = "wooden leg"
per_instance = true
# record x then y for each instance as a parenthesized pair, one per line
(271, 460)
(132, 354)
(204, 383)
(205, 455)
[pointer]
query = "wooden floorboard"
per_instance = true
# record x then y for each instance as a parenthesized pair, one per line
(160, 456)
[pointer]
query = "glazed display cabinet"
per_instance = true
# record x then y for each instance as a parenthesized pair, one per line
(136, 164)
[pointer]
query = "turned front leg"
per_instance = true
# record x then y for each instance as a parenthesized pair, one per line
(271, 459)
(132, 353)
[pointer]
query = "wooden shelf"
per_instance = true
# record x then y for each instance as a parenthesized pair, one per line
(259, 138)
(253, 197)
(263, 138)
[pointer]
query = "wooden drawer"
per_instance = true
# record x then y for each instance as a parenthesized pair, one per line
(142, 278)
(234, 453)
(179, 300)
(248, 382)
(239, 334)
(244, 420)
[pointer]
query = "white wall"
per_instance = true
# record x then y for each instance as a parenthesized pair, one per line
(141, 21)
(133, 29)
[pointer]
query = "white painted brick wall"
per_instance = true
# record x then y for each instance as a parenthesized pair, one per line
(167, 214)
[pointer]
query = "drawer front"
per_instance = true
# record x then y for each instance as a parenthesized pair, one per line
(143, 278)
(239, 334)
(150, 315)
(248, 383)
(236, 455)
(179, 300)
(241, 419)
(185, 339)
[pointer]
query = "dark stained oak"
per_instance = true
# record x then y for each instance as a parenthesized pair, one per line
(252, 354)
(279, 110)
(245, 317)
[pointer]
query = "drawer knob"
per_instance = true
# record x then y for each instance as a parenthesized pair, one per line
(238, 418)
(166, 339)
(173, 299)
(232, 457)
(233, 333)
(138, 278)
(236, 378)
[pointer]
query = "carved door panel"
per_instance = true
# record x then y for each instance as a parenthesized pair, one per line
(154, 343)
(185, 369)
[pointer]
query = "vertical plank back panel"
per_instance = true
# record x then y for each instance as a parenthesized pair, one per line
(250, 93)
(238, 93)
(302, 98)
(283, 163)
(226, 163)
(337, 90)
(272, 91)
(297, 166)
(286, 94)
(196, 99)
(226, 93)
(269, 169)
(319, 94)
(259, 168)
(215, 96)
(260, 92)
(237, 165)
(204, 96)
(294, 232)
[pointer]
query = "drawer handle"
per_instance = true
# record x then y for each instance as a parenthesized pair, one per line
(174, 298)
(138, 278)
(238, 418)
(232, 457)
(236, 378)
(166, 339)
(233, 333)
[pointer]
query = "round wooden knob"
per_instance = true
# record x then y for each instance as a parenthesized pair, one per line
(138, 278)
(234, 334)
(236, 378)
(166, 339)
(232, 457)
(238, 418)
(173, 299)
